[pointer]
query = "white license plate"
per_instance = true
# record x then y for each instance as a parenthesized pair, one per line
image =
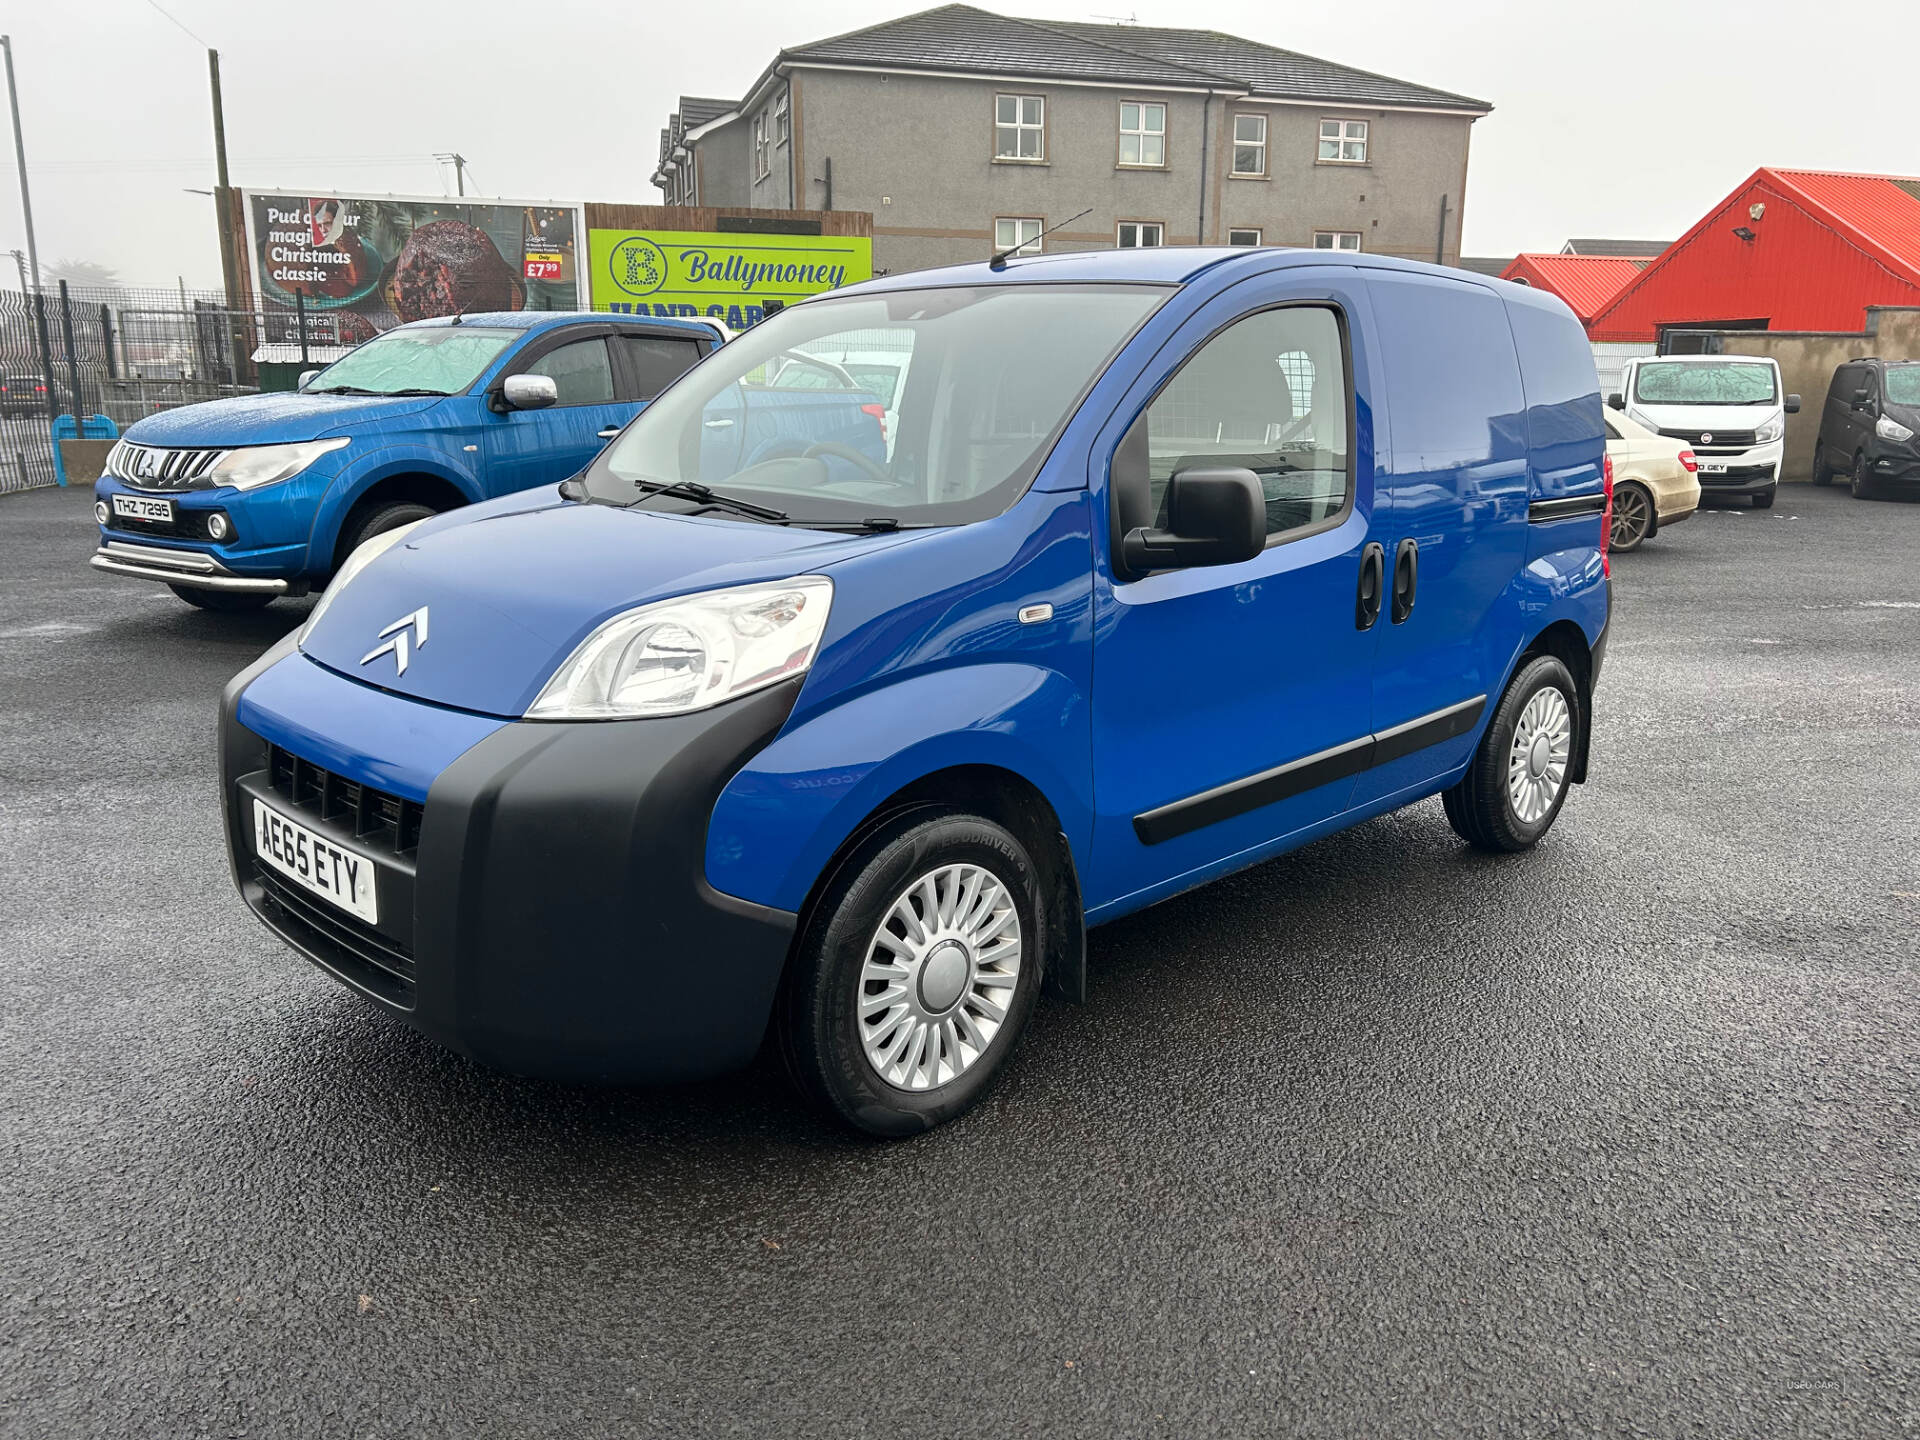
(1713, 467)
(314, 862)
(142, 507)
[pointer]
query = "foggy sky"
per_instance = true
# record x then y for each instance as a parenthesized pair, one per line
(1624, 120)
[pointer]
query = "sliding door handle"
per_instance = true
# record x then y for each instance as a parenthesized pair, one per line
(1406, 578)
(1373, 584)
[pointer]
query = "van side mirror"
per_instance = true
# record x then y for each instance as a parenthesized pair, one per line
(1862, 395)
(1617, 401)
(1214, 517)
(307, 377)
(529, 392)
(1793, 405)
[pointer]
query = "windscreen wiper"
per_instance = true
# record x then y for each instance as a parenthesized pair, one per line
(693, 490)
(411, 392)
(345, 390)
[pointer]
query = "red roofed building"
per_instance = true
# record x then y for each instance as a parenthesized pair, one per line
(1585, 282)
(1788, 250)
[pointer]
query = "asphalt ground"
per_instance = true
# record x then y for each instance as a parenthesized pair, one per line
(1382, 1138)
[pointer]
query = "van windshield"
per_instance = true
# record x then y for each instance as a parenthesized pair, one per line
(1903, 384)
(1730, 382)
(914, 407)
(433, 360)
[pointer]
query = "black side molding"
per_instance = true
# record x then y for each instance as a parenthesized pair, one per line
(1296, 777)
(1566, 508)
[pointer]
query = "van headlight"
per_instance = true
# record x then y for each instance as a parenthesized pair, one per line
(1771, 431)
(252, 466)
(674, 656)
(362, 557)
(1890, 429)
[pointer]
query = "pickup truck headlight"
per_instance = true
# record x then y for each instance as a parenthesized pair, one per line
(1890, 429)
(1771, 431)
(362, 557)
(686, 654)
(252, 466)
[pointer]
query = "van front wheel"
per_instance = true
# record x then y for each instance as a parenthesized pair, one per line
(916, 974)
(1517, 782)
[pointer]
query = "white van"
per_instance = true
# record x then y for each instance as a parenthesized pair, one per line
(1729, 408)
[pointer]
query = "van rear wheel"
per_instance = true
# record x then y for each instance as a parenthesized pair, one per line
(915, 975)
(1513, 790)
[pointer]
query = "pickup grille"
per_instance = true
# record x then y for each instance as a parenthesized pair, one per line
(150, 467)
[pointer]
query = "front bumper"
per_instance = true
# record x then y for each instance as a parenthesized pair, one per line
(1744, 472)
(553, 916)
(197, 568)
(1895, 466)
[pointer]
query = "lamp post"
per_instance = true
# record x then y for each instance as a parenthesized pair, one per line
(20, 157)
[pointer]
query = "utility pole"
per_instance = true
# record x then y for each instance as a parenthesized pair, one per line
(20, 157)
(222, 196)
(459, 168)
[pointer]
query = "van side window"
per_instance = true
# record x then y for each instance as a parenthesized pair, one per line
(580, 370)
(1269, 394)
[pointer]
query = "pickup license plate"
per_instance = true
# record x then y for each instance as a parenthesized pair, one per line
(310, 860)
(1713, 467)
(143, 507)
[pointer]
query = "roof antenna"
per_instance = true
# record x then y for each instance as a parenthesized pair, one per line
(999, 258)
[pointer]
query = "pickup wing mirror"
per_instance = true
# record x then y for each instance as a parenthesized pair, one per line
(1214, 517)
(1793, 405)
(529, 392)
(1617, 401)
(307, 377)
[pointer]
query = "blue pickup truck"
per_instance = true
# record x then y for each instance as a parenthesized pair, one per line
(235, 502)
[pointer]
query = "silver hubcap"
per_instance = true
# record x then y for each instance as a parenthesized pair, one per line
(939, 977)
(1537, 763)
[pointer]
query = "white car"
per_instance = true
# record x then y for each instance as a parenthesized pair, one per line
(1729, 409)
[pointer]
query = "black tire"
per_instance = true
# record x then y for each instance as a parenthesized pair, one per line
(1763, 499)
(1626, 533)
(229, 602)
(818, 1024)
(1821, 475)
(384, 518)
(1861, 482)
(1478, 807)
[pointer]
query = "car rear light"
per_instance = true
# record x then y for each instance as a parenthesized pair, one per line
(879, 413)
(1606, 515)
(1689, 462)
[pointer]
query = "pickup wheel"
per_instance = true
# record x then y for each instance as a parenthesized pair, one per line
(915, 974)
(226, 601)
(387, 517)
(1517, 782)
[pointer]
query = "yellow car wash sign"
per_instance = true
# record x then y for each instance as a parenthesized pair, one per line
(728, 278)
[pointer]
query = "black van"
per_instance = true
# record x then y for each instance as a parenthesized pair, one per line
(1871, 426)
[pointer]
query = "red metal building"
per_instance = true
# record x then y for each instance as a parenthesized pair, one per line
(1788, 250)
(1585, 282)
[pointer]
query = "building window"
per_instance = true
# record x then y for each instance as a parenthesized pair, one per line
(780, 119)
(1019, 127)
(1140, 234)
(1250, 145)
(1143, 134)
(1336, 239)
(1243, 237)
(1343, 142)
(1017, 236)
(762, 151)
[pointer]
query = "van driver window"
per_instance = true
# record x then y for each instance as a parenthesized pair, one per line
(1269, 394)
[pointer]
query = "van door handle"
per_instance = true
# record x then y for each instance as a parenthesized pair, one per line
(1373, 580)
(609, 432)
(1406, 578)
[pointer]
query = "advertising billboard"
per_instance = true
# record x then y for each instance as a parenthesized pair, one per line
(725, 277)
(365, 263)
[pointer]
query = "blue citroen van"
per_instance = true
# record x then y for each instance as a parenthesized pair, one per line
(1173, 560)
(234, 502)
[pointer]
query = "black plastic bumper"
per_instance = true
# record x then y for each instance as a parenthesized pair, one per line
(555, 916)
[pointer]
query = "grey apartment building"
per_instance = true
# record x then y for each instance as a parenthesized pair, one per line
(963, 132)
